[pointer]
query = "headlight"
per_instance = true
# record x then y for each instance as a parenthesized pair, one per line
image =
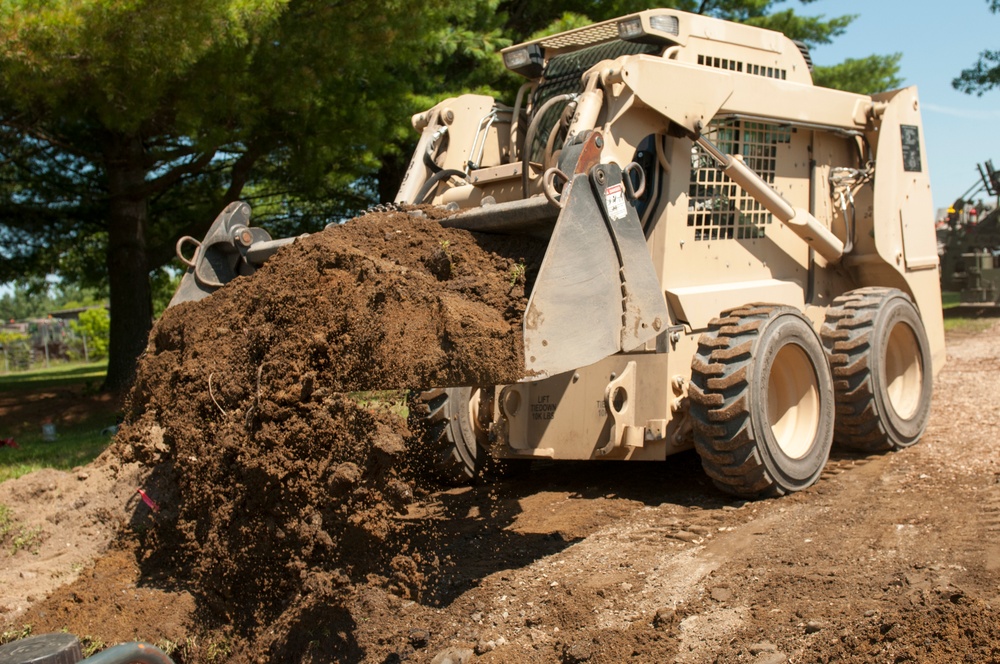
(630, 28)
(662, 28)
(526, 61)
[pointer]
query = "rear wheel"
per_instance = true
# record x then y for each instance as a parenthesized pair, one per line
(881, 363)
(452, 441)
(762, 401)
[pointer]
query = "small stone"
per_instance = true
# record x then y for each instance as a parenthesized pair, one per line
(626, 586)
(419, 638)
(664, 617)
(453, 655)
(477, 616)
(771, 658)
(484, 647)
(722, 594)
(28, 575)
(763, 646)
(578, 651)
(870, 613)
(813, 626)
(82, 475)
(686, 536)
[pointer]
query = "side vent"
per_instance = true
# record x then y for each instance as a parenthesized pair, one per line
(737, 66)
(804, 50)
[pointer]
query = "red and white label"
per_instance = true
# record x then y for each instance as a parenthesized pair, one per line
(614, 201)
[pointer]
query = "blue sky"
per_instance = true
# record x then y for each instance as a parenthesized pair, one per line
(937, 41)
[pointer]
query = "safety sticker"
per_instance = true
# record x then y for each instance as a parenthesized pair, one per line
(614, 201)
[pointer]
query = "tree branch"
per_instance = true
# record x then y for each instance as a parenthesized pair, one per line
(174, 175)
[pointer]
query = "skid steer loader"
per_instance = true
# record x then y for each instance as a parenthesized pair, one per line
(737, 259)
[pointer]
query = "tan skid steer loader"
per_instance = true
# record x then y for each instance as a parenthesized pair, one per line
(737, 259)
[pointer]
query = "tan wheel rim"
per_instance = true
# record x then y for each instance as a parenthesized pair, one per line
(904, 373)
(479, 427)
(793, 401)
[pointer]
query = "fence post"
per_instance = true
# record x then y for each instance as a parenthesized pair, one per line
(45, 339)
(86, 353)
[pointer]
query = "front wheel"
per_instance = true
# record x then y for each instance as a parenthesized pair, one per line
(451, 445)
(881, 362)
(762, 401)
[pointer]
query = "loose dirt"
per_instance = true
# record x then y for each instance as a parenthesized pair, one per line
(290, 527)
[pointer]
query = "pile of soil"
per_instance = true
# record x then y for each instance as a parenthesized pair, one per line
(273, 483)
(285, 532)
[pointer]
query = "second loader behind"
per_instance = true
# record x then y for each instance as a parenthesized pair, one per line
(737, 259)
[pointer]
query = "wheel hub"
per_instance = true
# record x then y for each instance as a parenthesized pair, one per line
(793, 404)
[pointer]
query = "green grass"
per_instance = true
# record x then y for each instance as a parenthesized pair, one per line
(14, 535)
(77, 444)
(950, 299)
(55, 376)
(393, 401)
(968, 325)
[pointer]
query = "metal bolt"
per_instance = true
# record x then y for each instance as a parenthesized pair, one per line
(598, 141)
(242, 236)
(600, 176)
(657, 324)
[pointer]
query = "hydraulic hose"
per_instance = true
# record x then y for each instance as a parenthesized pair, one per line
(433, 180)
(530, 136)
(126, 653)
(515, 120)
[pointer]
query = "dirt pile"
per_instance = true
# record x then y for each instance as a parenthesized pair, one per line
(271, 487)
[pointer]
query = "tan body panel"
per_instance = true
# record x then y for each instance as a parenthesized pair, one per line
(712, 246)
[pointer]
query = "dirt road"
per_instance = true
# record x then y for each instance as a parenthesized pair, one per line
(890, 558)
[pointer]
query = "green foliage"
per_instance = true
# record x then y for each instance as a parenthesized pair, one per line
(164, 284)
(875, 73)
(94, 325)
(15, 635)
(15, 349)
(984, 75)
(35, 298)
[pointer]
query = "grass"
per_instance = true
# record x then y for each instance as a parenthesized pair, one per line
(951, 302)
(16, 536)
(393, 401)
(60, 375)
(77, 444)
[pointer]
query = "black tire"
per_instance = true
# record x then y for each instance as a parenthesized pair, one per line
(451, 448)
(762, 401)
(882, 374)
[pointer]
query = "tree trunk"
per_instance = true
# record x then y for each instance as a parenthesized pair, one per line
(128, 271)
(390, 176)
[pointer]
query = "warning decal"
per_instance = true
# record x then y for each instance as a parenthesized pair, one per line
(614, 201)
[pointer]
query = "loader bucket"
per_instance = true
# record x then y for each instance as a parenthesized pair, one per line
(231, 248)
(597, 292)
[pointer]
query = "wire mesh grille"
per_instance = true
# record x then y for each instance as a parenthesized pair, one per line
(718, 208)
